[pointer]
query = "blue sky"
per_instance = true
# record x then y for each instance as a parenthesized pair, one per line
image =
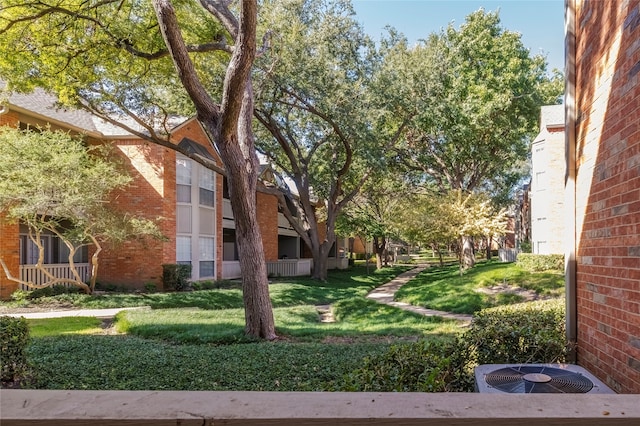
(541, 22)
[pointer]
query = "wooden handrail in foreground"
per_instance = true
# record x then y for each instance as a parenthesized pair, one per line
(142, 408)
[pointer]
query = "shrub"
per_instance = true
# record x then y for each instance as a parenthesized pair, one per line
(14, 336)
(216, 285)
(150, 287)
(425, 366)
(54, 290)
(175, 276)
(531, 332)
(541, 262)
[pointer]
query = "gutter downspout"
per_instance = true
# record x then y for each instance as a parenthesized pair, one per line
(570, 177)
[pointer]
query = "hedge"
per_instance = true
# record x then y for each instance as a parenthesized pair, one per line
(14, 337)
(541, 262)
(531, 332)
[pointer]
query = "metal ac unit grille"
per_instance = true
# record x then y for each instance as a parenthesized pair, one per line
(537, 378)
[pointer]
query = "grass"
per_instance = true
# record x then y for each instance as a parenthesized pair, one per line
(284, 292)
(444, 289)
(188, 343)
(132, 363)
(195, 340)
(356, 319)
(61, 326)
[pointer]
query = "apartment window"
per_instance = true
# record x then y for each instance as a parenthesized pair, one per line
(183, 250)
(207, 187)
(183, 180)
(542, 247)
(541, 181)
(207, 249)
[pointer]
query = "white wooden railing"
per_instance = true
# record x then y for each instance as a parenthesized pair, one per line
(32, 274)
(279, 268)
(508, 255)
(289, 267)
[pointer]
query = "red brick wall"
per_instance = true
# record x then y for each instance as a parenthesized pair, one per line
(152, 194)
(267, 206)
(10, 254)
(135, 263)
(9, 233)
(193, 130)
(608, 190)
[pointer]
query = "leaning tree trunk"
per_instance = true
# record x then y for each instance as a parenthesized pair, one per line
(259, 320)
(468, 257)
(243, 167)
(229, 123)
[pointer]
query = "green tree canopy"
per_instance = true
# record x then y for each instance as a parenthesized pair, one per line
(51, 182)
(316, 100)
(137, 64)
(449, 218)
(474, 94)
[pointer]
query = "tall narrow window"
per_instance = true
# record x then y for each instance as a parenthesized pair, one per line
(183, 180)
(207, 187)
(183, 250)
(207, 250)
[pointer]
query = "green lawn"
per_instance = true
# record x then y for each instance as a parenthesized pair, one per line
(355, 318)
(131, 363)
(195, 340)
(291, 291)
(444, 289)
(67, 325)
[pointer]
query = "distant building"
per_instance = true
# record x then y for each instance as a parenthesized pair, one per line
(192, 200)
(548, 216)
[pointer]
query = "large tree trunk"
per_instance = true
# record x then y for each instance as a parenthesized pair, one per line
(243, 167)
(258, 310)
(320, 262)
(229, 124)
(379, 244)
(468, 257)
(489, 255)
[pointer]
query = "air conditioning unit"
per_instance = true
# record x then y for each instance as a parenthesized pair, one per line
(537, 378)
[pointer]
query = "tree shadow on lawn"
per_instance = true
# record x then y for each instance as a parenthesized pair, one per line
(359, 318)
(203, 299)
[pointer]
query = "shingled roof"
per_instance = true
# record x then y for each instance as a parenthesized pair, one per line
(45, 106)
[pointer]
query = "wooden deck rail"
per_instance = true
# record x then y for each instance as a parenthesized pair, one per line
(142, 408)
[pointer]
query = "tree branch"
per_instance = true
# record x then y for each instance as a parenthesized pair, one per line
(172, 35)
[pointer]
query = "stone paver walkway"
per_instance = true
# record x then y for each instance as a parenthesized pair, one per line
(386, 292)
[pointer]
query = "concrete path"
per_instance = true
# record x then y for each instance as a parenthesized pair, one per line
(98, 313)
(386, 292)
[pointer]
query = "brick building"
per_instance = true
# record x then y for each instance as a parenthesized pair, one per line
(190, 201)
(603, 187)
(547, 183)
